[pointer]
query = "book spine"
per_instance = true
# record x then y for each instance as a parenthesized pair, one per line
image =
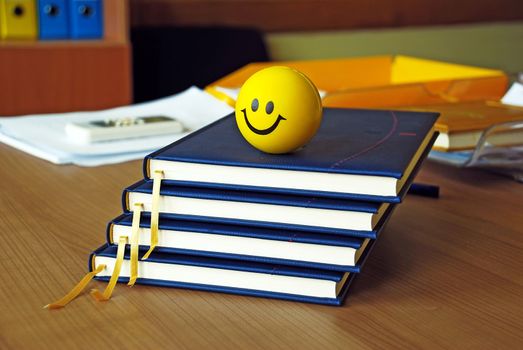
(90, 260)
(125, 200)
(125, 195)
(145, 167)
(110, 225)
(109, 232)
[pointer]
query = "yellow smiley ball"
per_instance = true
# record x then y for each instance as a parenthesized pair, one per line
(278, 110)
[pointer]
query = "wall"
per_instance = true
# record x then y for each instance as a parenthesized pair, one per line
(493, 45)
(463, 31)
(293, 15)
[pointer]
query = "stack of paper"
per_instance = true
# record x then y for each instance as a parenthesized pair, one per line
(44, 135)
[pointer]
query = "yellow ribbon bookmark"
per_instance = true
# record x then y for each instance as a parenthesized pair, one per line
(134, 243)
(106, 295)
(66, 299)
(157, 181)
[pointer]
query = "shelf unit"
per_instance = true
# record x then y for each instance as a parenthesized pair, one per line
(61, 76)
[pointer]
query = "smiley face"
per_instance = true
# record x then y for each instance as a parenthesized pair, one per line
(278, 110)
(269, 108)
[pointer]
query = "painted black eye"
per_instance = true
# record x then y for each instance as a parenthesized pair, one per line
(255, 105)
(269, 108)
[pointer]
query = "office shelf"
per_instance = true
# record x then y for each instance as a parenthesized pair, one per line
(67, 75)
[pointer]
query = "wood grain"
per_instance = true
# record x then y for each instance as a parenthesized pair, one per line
(446, 273)
(60, 78)
(295, 15)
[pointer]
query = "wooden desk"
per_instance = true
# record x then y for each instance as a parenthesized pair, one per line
(445, 273)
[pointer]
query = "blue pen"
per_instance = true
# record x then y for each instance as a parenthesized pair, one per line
(424, 190)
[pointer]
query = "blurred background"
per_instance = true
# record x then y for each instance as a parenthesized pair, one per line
(155, 48)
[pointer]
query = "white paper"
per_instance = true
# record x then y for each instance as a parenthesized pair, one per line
(231, 92)
(514, 95)
(44, 135)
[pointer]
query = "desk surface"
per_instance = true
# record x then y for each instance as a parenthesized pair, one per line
(445, 273)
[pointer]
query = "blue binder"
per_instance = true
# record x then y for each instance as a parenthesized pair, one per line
(86, 19)
(53, 20)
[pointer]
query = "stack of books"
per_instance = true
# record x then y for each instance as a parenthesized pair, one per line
(212, 213)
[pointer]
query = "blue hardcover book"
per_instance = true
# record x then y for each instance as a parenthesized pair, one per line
(86, 19)
(273, 246)
(356, 154)
(324, 215)
(229, 276)
(53, 19)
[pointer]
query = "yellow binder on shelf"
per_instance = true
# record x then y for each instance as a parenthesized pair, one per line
(18, 19)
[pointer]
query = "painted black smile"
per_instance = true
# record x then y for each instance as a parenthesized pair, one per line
(263, 131)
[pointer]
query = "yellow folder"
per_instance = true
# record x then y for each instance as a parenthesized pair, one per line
(18, 19)
(384, 81)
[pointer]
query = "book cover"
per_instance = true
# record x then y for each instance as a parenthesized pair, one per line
(229, 276)
(274, 246)
(358, 154)
(325, 215)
